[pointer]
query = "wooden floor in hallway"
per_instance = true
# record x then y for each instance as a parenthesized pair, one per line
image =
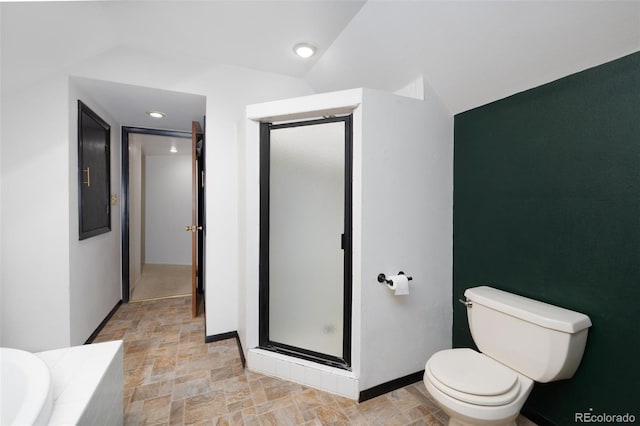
(171, 377)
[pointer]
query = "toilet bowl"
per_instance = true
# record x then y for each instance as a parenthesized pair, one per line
(474, 389)
(521, 341)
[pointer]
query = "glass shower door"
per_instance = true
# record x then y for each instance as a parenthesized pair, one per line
(307, 204)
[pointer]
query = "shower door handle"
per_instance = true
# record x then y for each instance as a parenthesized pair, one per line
(342, 241)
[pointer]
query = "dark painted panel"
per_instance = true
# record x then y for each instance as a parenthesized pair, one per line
(94, 181)
(547, 205)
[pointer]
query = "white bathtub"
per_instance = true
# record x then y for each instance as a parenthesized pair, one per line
(26, 396)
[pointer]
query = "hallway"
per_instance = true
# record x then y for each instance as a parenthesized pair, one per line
(158, 281)
(172, 377)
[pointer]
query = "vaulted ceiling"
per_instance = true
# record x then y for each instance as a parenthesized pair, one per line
(469, 52)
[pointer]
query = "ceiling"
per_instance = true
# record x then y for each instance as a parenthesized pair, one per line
(254, 34)
(475, 52)
(469, 52)
(128, 104)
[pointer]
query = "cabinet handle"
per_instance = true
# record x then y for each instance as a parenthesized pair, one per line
(88, 172)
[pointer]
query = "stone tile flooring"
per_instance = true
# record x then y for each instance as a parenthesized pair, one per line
(172, 377)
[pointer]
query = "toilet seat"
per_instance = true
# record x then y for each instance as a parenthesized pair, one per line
(472, 377)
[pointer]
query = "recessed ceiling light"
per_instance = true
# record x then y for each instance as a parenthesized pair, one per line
(156, 114)
(304, 50)
(173, 149)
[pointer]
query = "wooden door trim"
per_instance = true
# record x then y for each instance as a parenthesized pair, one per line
(196, 130)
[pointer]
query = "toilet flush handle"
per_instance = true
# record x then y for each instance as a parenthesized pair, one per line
(466, 303)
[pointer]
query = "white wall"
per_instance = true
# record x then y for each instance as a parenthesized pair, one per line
(167, 209)
(36, 164)
(228, 90)
(135, 212)
(406, 219)
(94, 264)
(402, 220)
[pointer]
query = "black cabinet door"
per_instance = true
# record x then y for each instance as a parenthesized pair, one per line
(94, 178)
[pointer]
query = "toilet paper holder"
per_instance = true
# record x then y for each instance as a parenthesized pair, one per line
(382, 278)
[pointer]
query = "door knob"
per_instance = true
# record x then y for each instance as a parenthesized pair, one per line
(192, 228)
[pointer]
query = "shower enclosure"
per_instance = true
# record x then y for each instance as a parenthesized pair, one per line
(305, 239)
(378, 169)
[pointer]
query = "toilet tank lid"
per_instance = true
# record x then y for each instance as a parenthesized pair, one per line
(534, 311)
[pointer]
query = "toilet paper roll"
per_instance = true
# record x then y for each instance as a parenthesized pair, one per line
(399, 283)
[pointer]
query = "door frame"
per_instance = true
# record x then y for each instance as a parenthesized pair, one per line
(197, 220)
(263, 287)
(126, 131)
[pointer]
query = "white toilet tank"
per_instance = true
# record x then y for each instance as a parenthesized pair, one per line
(544, 342)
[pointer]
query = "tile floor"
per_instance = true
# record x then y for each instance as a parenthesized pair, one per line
(172, 377)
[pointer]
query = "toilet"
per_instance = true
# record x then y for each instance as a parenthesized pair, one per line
(521, 341)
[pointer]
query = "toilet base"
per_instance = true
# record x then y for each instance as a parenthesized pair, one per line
(456, 419)
(458, 422)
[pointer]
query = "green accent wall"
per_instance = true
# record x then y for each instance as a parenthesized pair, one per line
(547, 205)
